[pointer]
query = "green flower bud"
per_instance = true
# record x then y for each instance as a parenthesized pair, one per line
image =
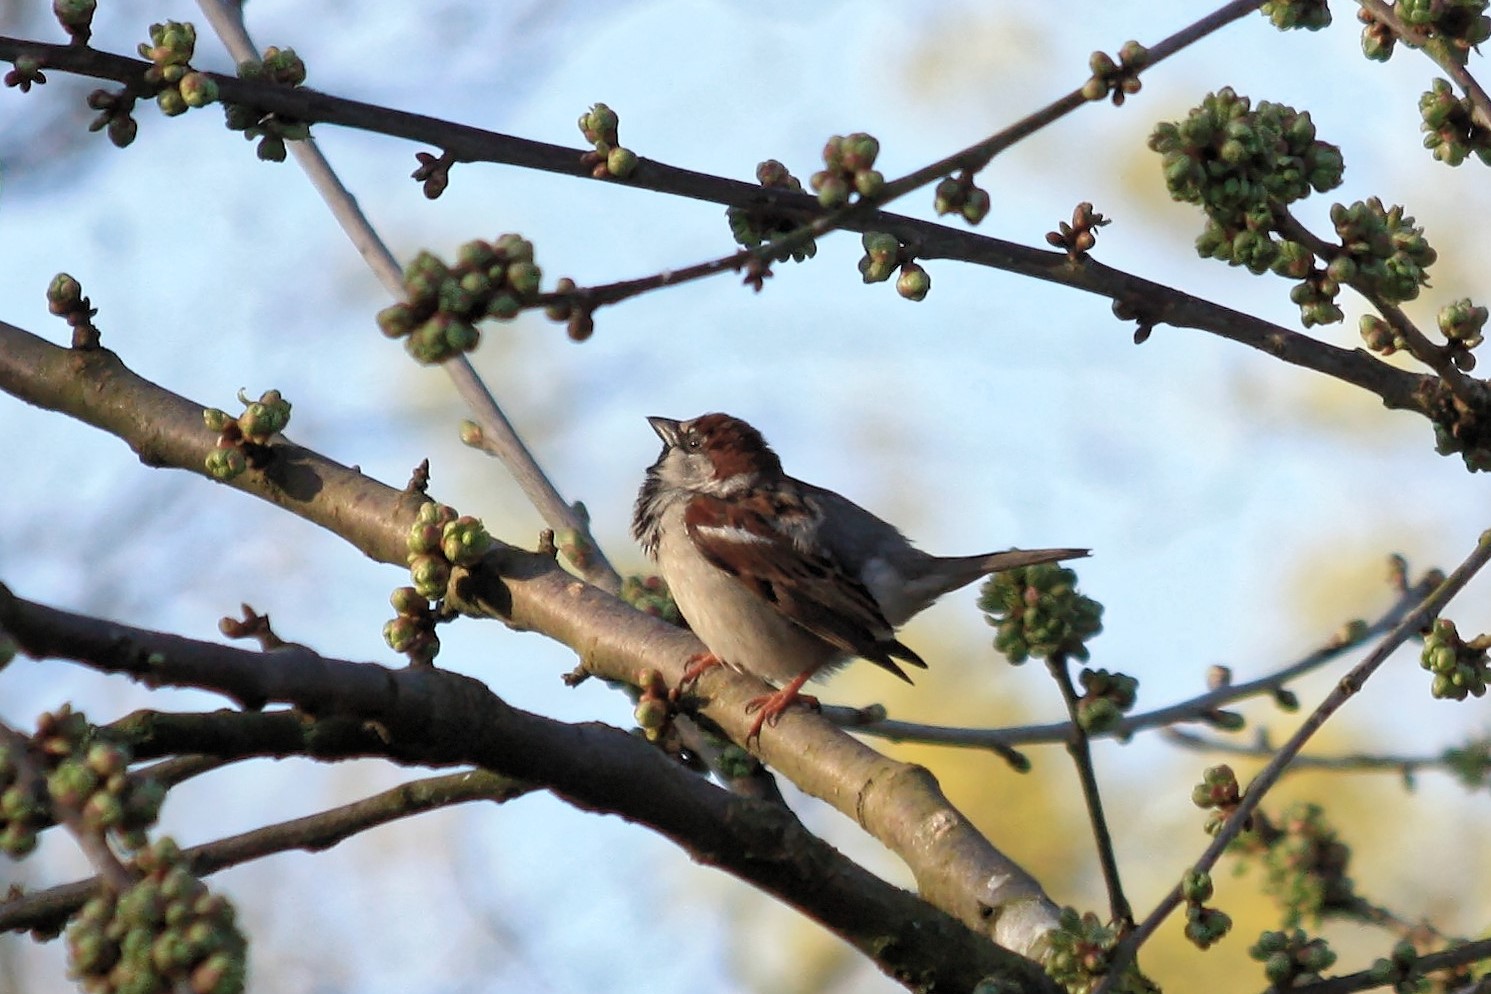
(401, 632)
(226, 463)
(103, 811)
(880, 246)
(271, 148)
(198, 89)
(833, 189)
(431, 575)
(621, 162)
(17, 839)
(284, 66)
(976, 206)
(64, 294)
(433, 512)
(107, 759)
(504, 307)
(913, 283)
(465, 541)
(651, 713)
(858, 152)
(397, 320)
(171, 102)
(833, 154)
(1096, 88)
(461, 336)
(523, 277)
(949, 196)
(1196, 886)
(868, 182)
(406, 601)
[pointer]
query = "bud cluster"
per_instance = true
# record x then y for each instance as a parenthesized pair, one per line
(848, 163)
(1038, 612)
(1079, 951)
(65, 299)
(1305, 864)
(610, 158)
(179, 86)
(411, 632)
(1460, 668)
(165, 933)
(1400, 970)
(243, 441)
(1292, 959)
(1457, 26)
(654, 709)
(1205, 926)
(1238, 164)
(25, 73)
(884, 254)
(1120, 79)
(437, 320)
(750, 226)
(78, 771)
(116, 113)
(1219, 794)
(281, 67)
(1382, 250)
(1312, 15)
(1106, 698)
(440, 539)
(1081, 234)
(650, 595)
(1451, 131)
(959, 195)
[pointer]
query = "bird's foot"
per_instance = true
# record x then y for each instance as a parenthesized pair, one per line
(698, 665)
(769, 707)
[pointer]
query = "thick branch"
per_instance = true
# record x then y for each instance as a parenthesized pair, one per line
(955, 867)
(435, 717)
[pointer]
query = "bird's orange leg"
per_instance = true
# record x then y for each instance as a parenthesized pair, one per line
(698, 665)
(771, 706)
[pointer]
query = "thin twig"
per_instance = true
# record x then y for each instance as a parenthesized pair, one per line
(1195, 709)
(503, 440)
(1081, 752)
(313, 833)
(1414, 623)
(1358, 762)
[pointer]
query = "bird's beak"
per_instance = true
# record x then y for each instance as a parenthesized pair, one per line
(666, 428)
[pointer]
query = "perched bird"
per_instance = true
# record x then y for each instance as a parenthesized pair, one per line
(777, 577)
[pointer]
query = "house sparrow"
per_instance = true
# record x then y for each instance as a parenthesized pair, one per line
(779, 578)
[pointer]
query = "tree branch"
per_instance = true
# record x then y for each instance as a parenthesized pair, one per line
(1154, 302)
(434, 717)
(1195, 709)
(956, 868)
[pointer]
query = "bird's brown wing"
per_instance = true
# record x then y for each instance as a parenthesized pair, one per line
(742, 537)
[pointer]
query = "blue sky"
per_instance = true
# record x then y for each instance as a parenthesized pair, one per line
(1238, 508)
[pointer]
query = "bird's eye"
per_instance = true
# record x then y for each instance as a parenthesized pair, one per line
(693, 442)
